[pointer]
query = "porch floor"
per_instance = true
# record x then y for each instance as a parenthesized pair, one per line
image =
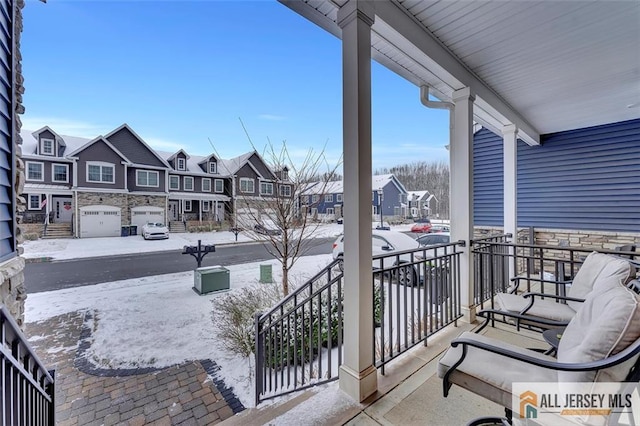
(410, 392)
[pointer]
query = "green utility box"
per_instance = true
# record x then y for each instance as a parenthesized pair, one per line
(266, 275)
(213, 278)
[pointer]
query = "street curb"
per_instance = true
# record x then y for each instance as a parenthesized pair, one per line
(37, 259)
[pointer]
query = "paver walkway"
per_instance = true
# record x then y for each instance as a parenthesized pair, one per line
(181, 395)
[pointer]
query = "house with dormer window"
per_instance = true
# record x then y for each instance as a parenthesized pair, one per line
(199, 189)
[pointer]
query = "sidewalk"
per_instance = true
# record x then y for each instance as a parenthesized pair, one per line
(186, 394)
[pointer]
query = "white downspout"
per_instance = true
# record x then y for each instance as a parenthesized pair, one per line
(424, 98)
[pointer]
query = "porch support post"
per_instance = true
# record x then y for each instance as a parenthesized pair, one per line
(358, 376)
(461, 183)
(510, 145)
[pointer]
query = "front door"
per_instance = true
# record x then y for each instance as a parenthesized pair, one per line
(62, 209)
(173, 210)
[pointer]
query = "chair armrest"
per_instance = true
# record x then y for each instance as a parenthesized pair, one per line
(611, 361)
(517, 280)
(489, 314)
(532, 296)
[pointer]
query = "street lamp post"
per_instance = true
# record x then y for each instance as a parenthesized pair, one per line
(380, 197)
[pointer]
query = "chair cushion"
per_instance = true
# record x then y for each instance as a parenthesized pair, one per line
(542, 308)
(596, 267)
(607, 323)
(478, 372)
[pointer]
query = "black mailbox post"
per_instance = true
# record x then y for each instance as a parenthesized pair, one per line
(199, 251)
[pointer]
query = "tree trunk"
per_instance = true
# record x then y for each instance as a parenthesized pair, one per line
(285, 280)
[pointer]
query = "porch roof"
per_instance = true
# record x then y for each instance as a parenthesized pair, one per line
(543, 66)
(197, 196)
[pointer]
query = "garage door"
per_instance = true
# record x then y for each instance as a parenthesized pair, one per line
(100, 221)
(142, 215)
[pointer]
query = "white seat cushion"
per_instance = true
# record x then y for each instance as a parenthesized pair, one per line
(542, 308)
(607, 323)
(478, 372)
(599, 267)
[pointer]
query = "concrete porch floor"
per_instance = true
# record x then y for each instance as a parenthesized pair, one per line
(410, 392)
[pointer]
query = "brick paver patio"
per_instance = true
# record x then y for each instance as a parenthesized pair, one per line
(185, 394)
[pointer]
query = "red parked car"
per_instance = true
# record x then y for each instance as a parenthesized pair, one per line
(421, 226)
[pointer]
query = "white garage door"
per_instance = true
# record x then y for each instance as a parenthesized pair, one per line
(100, 221)
(142, 215)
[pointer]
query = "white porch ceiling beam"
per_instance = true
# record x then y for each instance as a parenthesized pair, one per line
(392, 19)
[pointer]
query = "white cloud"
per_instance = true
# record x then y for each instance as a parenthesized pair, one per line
(272, 117)
(64, 126)
(165, 145)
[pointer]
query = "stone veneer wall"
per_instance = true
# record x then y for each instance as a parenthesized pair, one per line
(102, 198)
(12, 286)
(602, 240)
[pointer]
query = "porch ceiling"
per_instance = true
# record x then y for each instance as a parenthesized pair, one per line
(545, 66)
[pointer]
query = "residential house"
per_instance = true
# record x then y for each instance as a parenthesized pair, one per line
(422, 204)
(97, 186)
(199, 188)
(325, 200)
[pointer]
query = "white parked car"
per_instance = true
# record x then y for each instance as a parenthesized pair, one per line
(155, 231)
(387, 242)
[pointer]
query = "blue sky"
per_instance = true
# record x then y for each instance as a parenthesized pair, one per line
(181, 73)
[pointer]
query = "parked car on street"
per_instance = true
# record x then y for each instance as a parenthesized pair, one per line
(387, 242)
(266, 230)
(421, 226)
(440, 228)
(155, 231)
(433, 239)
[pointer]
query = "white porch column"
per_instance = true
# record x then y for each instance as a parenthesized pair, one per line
(510, 185)
(461, 183)
(358, 376)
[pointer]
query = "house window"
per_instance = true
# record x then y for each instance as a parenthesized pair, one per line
(338, 198)
(206, 184)
(187, 205)
(147, 178)
(285, 191)
(219, 185)
(285, 174)
(247, 185)
(100, 172)
(205, 206)
(328, 198)
(213, 167)
(188, 183)
(34, 201)
(182, 163)
(266, 188)
(315, 198)
(174, 182)
(47, 146)
(35, 171)
(60, 173)
(330, 211)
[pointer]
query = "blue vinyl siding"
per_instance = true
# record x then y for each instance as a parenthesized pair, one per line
(580, 179)
(488, 176)
(7, 122)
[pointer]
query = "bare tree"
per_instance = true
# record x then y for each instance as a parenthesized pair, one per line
(278, 217)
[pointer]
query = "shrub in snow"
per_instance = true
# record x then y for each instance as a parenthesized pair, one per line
(233, 316)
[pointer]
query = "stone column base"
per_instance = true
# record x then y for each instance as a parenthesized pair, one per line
(469, 314)
(358, 386)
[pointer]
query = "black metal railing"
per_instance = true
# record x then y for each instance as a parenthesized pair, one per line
(298, 343)
(539, 266)
(27, 391)
(416, 294)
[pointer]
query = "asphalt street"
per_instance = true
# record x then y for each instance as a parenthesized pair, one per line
(57, 275)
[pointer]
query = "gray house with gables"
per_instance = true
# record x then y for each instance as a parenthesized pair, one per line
(91, 188)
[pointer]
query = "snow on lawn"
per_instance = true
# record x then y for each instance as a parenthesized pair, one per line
(75, 248)
(160, 321)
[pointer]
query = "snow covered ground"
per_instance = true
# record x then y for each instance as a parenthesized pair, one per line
(176, 322)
